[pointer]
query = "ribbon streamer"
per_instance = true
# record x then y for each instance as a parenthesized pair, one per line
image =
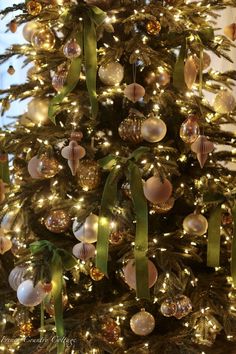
(213, 245)
(4, 172)
(178, 73)
(60, 260)
(233, 249)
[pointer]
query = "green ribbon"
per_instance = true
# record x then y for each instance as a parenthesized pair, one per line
(140, 208)
(178, 73)
(4, 172)
(213, 245)
(233, 250)
(60, 260)
(87, 40)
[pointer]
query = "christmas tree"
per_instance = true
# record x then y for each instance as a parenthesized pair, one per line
(117, 205)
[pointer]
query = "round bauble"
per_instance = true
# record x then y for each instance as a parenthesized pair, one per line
(116, 237)
(13, 26)
(195, 224)
(59, 79)
(57, 221)
(130, 129)
(142, 323)
(38, 110)
(111, 74)
(29, 29)
(153, 129)
(89, 175)
(96, 274)
(48, 167)
(224, 102)
(16, 276)
(153, 27)
(43, 39)
(88, 232)
(168, 307)
(33, 168)
(134, 92)
(157, 190)
(189, 130)
(11, 70)
(72, 49)
(162, 208)
(33, 7)
(5, 244)
(28, 295)
(130, 274)
(163, 78)
(84, 251)
(110, 330)
(184, 306)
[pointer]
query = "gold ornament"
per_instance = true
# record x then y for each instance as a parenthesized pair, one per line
(29, 28)
(134, 92)
(116, 237)
(178, 306)
(89, 175)
(153, 27)
(11, 70)
(59, 78)
(110, 330)
(96, 274)
(13, 26)
(43, 39)
(38, 110)
(224, 102)
(130, 128)
(26, 328)
(163, 78)
(153, 129)
(73, 153)
(111, 74)
(5, 243)
(195, 224)
(190, 72)
(162, 208)
(34, 7)
(57, 221)
(202, 147)
(48, 167)
(142, 323)
(230, 31)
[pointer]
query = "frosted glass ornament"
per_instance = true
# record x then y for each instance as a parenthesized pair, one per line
(28, 295)
(88, 232)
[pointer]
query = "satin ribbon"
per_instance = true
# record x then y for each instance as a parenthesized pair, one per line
(87, 39)
(213, 245)
(60, 260)
(118, 166)
(4, 171)
(233, 249)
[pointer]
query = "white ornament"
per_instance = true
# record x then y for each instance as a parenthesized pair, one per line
(88, 232)
(153, 129)
(16, 276)
(28, 295)
(28, 30)
(111, 74)
(38, 110)
(142, 323)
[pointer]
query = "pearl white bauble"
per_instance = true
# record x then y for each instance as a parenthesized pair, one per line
(28, 295)
(195, 224)
(28, 30)
(111, 74)
(88, 232)
(38, 110)
(224, 102)
(16, 276)
(157, 190)
(142, 323)
(153, 129)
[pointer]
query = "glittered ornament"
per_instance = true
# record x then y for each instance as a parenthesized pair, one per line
(110, 330)
(134, 92)
(43, 39)
(73, 153)
(11, 70)
(59, 78)
(26, 328)
(84, 251)
(28, 30)
(33, 8)
(183, 306)
(28, 295)
(202, 147)
(190, 72)
(96, 274)
(189, 130)
(13, 26)
(153, 27)
(195, 224)
(157, 190)
(88, 231)
(168, 307)
(162, 208)
(17, 276)
(38, 110)
(230, 31)
(57, 221)
(89, 175)
(224, 102)
(130, 128)
(153, 129)
(48, 167)
(116, 237)
(5, 244)
(142, 323)
(72, 49)
(130, 274)
(111, 74)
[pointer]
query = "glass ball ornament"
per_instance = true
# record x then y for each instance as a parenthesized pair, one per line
(195, 224)
(59, 79)
(33, 7)
(110, 330)
(142, 323)
(162, 208)
(28, 295)
(111, 74)
(29, 29)
(57, 221)
(89, 175)
(38, 110)
(130, 274)
(189, 130)
(43, 39)
(153, 129)
(84, 251)
(168, 307)
(88, 231)
(17, 276)
(72, 49)
(183, 306)
(157, 190)
(153, 27)
(130, 128)
(134, 92)
(48, 167)
(224, 102)
(96, 274)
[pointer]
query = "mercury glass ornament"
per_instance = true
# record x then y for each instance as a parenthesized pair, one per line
(184, 306)
(88, 231)
(96, 274)
(38, 110)
(153, 27)
(43, 39)
(130, 128)
(111, 74)
(57, 221)
(48, 167)
(134, 92)
(142, 323)
(72, 49)
(195, 224)
(168, 307)
(89, 175)
(130, 274)
(110, 330)
(162, 208)
(5, 244)
(230, 31)
(28, 295)
(224, 102)
(33, 7)
(157, 190)
(153, 129)
(84, 251)
(189, 130)
(28, 30)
